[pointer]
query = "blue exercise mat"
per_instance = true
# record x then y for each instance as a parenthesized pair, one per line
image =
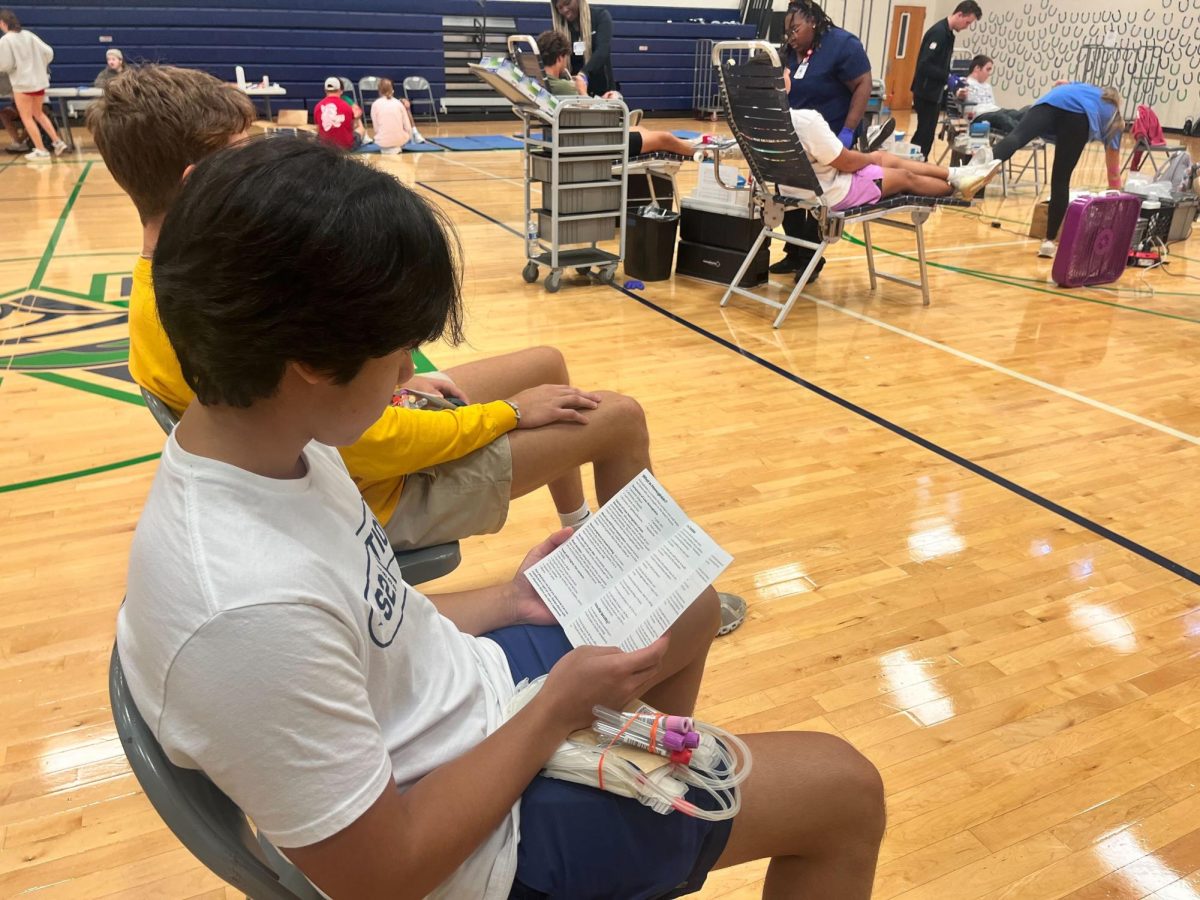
(686, 135)
(426, 147)
(478, 142)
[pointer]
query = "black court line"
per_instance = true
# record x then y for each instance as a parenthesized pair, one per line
(1176, 568)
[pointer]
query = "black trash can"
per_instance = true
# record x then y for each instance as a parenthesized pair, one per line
(650, 243)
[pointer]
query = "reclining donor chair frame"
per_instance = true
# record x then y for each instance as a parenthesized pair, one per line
(756, 108)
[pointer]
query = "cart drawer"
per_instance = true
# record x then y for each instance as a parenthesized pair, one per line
(568, 138)
(571, 172)
(589, 199)
(584, 231)
(589, 118)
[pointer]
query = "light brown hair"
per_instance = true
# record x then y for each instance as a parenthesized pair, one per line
(386, 88)
(154, 121)
(1116, 125)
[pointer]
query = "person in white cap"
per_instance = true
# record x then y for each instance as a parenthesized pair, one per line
(335, 120)
(114, 61)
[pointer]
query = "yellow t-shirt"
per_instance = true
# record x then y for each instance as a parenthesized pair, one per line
(402, 441)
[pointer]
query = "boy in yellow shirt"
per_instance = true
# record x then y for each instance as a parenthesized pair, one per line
(429, 476)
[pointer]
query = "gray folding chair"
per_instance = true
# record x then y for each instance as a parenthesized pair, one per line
(206, 821)
(756, 107)
(367, 83)
(416, 566)
(416, 85)
(349, 88)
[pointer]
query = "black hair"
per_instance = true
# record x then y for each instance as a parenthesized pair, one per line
(978, 62)
(812, 11)
(285, 249)
(970, 8)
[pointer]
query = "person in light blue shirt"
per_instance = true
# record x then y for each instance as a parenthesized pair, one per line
(1071, 114)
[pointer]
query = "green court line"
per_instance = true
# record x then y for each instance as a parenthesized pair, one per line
(70, 255)
(81, 385)
(1031, 287)
(13, 293)
(48, 254)
(80, 473)
(95, 292)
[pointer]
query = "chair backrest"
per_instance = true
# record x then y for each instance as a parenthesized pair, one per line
(348, 87)
(756, 107)
(416, 83)
(204, 819)
(523, 51)
(163, 414)
(368, 83)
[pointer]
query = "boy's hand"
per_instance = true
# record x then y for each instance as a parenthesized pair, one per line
(437, 386)
(528, 607)
(550, 403)
(600, 676)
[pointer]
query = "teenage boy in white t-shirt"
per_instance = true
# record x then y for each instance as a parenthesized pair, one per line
(977, 91)
(268, 638)
(850, 179)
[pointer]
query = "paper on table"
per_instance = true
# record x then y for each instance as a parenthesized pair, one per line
(628, 574)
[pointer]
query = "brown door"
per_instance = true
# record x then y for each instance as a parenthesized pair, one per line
(904, 43)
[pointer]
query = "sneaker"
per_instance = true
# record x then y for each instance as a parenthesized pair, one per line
(971, 180)
(417, 137)
(786, 266)
(877, 134)
(59, 147)
(19, 147)
(389, 151)
(37, 155)
(733, 613)
(1046, 251)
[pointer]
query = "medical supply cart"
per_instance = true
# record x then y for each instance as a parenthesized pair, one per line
(578, 154)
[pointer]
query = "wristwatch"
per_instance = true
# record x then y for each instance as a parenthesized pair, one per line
(516, 410)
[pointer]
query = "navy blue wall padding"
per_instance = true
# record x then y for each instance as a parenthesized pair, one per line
(298, 43)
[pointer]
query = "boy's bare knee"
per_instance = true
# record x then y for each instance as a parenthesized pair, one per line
(861, 788)
(553, 363)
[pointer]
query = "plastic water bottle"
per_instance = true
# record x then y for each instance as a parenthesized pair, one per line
(531, 229)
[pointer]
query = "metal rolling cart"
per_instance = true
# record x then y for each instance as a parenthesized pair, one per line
(573, 154)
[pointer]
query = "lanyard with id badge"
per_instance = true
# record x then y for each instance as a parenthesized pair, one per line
(802, 66)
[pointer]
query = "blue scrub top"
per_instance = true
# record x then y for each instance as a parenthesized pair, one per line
(1081, 97)
(839, 58)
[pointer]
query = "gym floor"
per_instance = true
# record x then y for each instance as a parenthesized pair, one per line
(966, 531)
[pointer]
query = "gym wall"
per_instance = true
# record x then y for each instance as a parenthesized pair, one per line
(1036, 41)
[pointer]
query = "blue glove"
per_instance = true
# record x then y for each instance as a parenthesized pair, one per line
(846, 136)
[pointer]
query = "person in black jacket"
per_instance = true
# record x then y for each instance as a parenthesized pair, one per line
(590, 33)
(933, 68)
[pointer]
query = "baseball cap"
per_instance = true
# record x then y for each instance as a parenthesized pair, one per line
(333, 83)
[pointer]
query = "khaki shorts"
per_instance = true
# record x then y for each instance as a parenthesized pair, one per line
(454, 500)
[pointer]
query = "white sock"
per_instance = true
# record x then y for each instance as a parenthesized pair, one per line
(575, 519)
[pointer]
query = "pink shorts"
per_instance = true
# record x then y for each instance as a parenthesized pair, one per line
(866, 187)
(41, 93)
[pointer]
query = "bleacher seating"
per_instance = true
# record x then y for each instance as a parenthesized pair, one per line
(299, 42)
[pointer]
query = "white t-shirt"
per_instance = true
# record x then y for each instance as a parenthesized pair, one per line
(822, 147)
(26, 58)
(392, 124)
(981, 95)
(268, 640)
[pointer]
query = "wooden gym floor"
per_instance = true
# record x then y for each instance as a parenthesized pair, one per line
(967, 533)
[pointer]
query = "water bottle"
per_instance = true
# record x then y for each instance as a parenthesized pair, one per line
(531, 229)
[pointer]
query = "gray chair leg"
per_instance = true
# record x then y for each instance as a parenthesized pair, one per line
(801, 282)
(919, 225)
(737, 279)
(870, 255)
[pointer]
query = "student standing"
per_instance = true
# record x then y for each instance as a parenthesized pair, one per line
(26, 59)
(933, 68)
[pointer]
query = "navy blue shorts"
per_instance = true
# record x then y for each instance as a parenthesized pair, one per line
(579, 842)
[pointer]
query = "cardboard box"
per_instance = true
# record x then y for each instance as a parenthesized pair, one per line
(1041, 214)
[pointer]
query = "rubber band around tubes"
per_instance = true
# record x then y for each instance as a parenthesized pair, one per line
(718, 763)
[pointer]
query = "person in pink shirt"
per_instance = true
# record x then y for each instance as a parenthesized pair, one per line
(390, 118)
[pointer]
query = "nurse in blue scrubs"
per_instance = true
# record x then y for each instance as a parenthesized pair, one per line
(827, 70)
